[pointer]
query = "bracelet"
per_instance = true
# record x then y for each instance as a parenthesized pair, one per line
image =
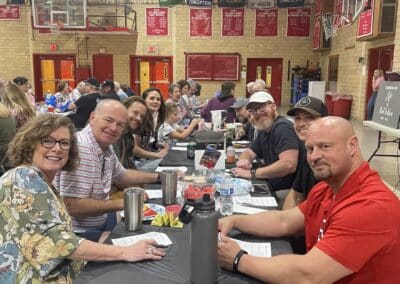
(253, 173)
(237, 259)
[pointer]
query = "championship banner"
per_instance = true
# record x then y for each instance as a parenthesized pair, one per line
(289, 3)
(200, 3)
(260, 4)
(200, 22)
(231, 3)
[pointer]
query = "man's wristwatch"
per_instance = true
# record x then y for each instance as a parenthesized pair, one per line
(237, 259)
(253, 173)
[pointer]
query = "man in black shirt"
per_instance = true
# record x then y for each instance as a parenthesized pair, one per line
(276, 144)
(304, 112)
(86, 104)
(246, 132)
(108, 90)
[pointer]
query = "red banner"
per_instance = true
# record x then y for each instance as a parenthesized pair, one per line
(232, 22)
(365, 22)
(317, 32)
(298, 22)
(337, 20)
(9, 12)
(200, 22)
(266, 22)
(157, 21)
(318, 8)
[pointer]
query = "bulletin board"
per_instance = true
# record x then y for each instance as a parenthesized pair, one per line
(213, 66)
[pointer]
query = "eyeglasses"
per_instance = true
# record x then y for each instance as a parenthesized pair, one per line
(49, 142)
(259, 109)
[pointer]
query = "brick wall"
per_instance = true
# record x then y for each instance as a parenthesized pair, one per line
(18, 43)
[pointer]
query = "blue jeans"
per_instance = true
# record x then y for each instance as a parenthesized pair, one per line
(371, 105)
(95, 233)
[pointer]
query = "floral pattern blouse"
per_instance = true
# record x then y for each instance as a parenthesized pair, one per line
(36, 234)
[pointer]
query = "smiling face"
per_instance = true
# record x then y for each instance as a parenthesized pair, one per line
(330, 150)
(51, 160)
(136, 113)
(302, 121)
(153, 101)
(263, 115)
(108, 122)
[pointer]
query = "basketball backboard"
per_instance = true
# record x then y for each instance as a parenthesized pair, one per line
(61, 13)
(352, 9)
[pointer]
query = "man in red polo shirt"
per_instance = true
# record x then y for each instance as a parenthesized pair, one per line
(351, 220)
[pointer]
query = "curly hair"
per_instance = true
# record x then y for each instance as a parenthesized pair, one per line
(22, 147)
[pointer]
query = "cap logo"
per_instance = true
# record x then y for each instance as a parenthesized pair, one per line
(304, 101)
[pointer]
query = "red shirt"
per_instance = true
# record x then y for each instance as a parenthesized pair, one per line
(361, 229)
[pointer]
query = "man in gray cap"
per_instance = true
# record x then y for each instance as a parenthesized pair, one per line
(246, 132)
(276, 144)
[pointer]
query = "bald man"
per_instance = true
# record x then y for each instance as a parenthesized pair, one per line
(351, 220)
(85, 191)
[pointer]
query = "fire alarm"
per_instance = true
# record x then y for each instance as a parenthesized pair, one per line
(53, 46)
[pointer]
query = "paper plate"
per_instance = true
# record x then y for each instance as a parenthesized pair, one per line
(181, 169)
(158, 209)
(240, 186)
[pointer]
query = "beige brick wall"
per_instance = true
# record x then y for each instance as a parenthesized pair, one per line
(396, 58)
(18, 43)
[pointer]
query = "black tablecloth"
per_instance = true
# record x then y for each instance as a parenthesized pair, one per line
(176, 158)
(174, 268)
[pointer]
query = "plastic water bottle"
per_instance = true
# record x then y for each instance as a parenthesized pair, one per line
(225, 198)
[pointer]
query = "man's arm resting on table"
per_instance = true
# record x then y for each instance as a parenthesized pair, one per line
(81, 207)
(136, 177)
(272, 223)
(292, 199)
(286, 165)
(313, 267)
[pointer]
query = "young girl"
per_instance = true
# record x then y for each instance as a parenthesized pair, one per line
(170, 131)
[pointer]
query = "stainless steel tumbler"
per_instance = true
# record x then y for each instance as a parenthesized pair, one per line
(169, 183)
(133, 208)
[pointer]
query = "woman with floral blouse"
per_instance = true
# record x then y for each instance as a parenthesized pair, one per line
(37, 244)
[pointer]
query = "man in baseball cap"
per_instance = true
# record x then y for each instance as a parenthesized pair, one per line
(304, 112)
(276, 144)
(92, 81)
(246, 132)
(108, 90)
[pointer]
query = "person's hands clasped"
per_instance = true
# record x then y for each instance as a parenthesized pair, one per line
(244, 164)
(225, 225)
(227, 250)
(163, 152)
(240, 172)
(143, 250)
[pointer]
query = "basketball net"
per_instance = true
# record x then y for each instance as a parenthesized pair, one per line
(56, 29)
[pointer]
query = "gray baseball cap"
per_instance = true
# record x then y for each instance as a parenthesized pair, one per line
(240, 103)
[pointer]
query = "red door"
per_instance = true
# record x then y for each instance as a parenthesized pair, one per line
(378, 58)
(103, 67)
(151, 71)
(268, 69)
(50, 69)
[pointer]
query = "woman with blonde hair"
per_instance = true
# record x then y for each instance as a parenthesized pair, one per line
(7, 132)
(15, 100)
(377, 78)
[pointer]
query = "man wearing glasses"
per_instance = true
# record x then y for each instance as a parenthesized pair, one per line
(276, 144)
(85, 191)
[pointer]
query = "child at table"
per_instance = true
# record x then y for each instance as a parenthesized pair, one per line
(170, 131)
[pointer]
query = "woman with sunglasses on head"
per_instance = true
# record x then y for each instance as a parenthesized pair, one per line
(37, 242)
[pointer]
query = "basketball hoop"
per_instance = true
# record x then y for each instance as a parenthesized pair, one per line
(56, 29)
